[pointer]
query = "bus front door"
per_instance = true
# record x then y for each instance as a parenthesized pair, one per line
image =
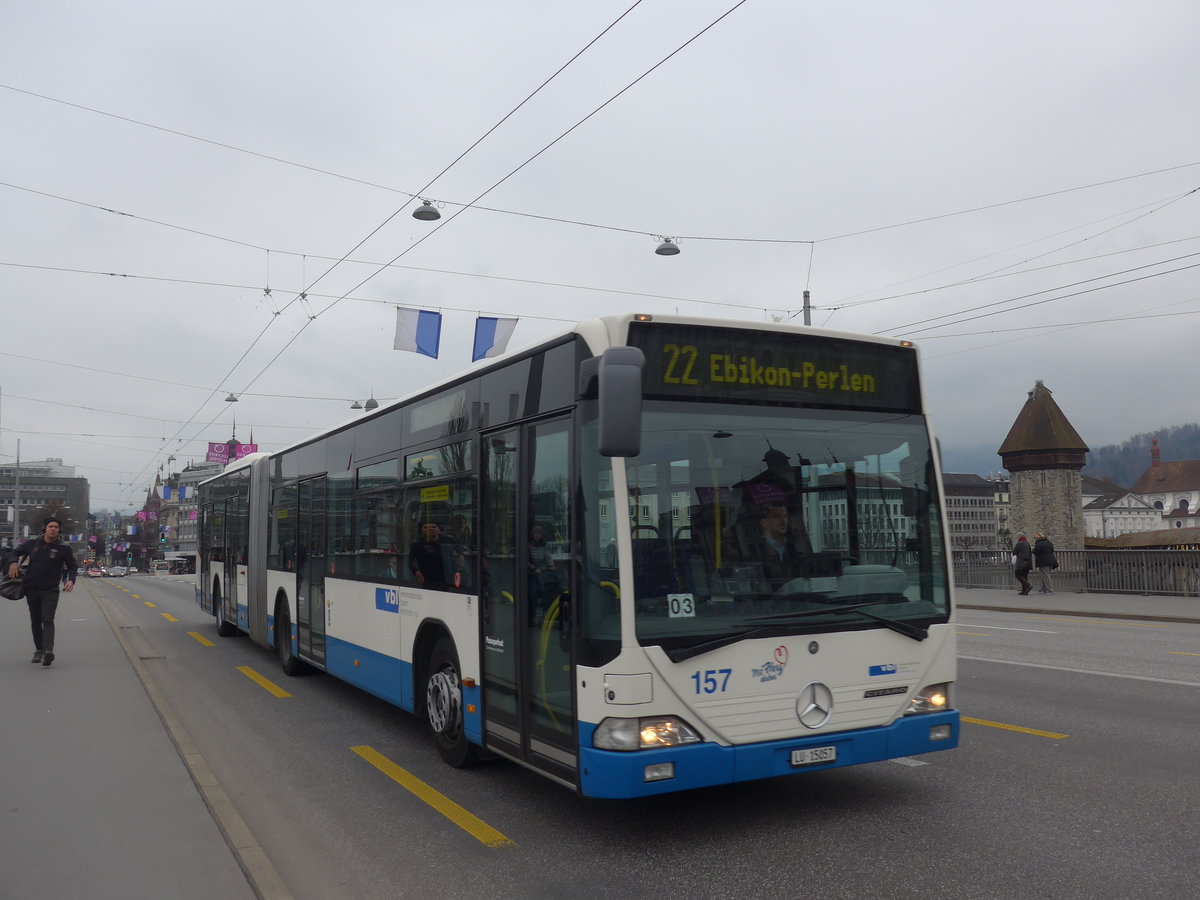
(525, 547)
(310, 570)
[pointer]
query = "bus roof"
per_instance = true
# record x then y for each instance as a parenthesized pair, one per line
(598, 333)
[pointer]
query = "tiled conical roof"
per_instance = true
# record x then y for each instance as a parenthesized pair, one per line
(1041, 436)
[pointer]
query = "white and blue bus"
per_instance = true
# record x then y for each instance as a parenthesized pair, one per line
(651, 554)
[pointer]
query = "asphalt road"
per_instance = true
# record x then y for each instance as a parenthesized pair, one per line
(1077, 776)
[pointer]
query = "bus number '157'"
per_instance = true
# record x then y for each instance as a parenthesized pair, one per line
(708, 681)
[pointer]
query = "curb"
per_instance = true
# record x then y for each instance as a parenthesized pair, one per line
(261, 874)
(1141, 617)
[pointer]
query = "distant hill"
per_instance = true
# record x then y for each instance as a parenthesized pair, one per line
(1124, 463)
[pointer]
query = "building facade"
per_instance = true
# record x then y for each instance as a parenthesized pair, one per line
(1172, 489)
(43, 483)
(971, 512)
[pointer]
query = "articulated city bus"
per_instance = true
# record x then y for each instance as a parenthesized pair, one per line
(650, 554)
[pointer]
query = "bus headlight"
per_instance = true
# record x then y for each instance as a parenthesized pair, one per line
(933, 698)
(643, 734)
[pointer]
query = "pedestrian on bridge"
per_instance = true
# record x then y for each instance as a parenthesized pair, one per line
(1022, 562)
(1043, 557)
(50, 558)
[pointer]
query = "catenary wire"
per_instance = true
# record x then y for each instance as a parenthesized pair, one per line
(960, 312)
(566, 221)
(1157, 204)
(1091, 290)
(444, 222)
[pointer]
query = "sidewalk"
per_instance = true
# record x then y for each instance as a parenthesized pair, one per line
(96, 801)
(1110, 606)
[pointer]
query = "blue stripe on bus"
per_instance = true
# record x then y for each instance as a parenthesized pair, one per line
(377, 673)
(617, 775)
(391, 679)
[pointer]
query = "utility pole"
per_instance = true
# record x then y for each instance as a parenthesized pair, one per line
(807, 309)
(17, 499)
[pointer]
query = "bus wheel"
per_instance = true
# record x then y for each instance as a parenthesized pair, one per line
(283, 643)
(224, 629)
(444, 707)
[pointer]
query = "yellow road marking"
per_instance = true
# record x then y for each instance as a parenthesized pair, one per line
(136, 596)
(1100, 622)
(201, 638)
(1183, 653)
(265, 683)
(468, 822)
(169, 617)
(976, 633)
(149, 604)
(1033, 731)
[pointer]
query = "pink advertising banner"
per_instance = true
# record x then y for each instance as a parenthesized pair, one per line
(220, 452)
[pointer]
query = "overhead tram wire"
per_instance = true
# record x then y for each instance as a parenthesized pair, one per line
(501, 181)
(1090, 290)
(1061, 287)
(565, 221)
(1053, 329)
(1144, 210)
(1063, 326)
(727, 304)
(998, 274)
(1157, 204)
(376, 300)
(216, 237)
(304, 293)
(456, 160)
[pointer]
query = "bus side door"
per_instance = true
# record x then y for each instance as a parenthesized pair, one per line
(525, 546)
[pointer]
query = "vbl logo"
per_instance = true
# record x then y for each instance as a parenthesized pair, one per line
(387, 599)
(885, 669)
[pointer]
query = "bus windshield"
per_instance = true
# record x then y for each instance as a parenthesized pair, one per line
(768, 520)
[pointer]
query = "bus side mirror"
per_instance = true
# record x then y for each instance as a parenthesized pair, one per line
(620, 377)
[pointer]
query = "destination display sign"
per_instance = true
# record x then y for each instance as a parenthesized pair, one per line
(706, 363)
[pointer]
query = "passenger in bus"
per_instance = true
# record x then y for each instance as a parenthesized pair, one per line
(435, 561)
(781, 554)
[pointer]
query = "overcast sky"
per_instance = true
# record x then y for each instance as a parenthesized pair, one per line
(1008, 185)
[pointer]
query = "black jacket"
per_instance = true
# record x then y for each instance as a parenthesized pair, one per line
(1024, 556)
(46, 562)
(1043, 553)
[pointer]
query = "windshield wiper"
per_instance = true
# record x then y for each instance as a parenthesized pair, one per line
(916, 632)
(679, 654)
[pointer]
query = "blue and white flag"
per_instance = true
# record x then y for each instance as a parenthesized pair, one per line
(418, 330)
(167, 492)
(491, 336)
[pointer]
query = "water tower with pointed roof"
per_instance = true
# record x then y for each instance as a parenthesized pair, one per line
(1045, 455)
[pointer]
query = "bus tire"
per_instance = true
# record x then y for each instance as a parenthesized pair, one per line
(283, 642)
(224, 629)
(444, 706)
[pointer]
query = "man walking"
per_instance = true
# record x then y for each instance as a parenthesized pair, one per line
(48, 556)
